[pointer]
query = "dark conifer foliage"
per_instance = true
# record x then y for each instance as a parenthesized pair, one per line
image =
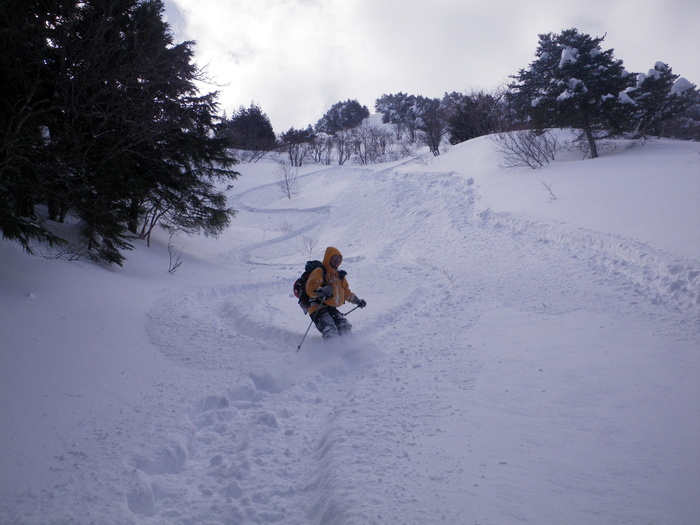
(660, 97)
(250, 129)
(401, 110)
(574, 82)
(342, 116)
(104, 122)
(28, 29)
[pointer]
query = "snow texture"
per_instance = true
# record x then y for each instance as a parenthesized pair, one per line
(521, 359)
(568, 54)
(681, 85)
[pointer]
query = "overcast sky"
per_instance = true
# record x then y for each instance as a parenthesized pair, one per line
(296, 58)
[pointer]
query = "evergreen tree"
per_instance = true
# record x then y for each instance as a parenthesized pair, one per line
(685, 125)
(125, 135)
(27, 27)
(660, 96)
(250, 129)
(400, 110)
(342, 116)
(574, 83)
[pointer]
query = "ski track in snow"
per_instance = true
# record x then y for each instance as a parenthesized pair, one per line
(286, 442)
(354, 431)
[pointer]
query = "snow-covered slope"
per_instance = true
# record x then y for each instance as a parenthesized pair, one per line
(520, 359)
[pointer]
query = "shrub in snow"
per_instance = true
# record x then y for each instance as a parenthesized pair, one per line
(526, 148)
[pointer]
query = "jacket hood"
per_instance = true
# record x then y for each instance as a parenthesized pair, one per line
(330, 252)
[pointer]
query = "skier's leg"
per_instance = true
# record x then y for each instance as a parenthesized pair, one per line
(342, 324)
(325, 323)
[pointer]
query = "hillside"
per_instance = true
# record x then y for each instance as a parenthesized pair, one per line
(520, 359)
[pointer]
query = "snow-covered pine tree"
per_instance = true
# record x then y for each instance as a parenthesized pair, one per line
(400, 110)
(573, 83)
(660, 96)
(342, 116)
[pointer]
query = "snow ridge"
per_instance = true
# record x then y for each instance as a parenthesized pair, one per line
(661, 277)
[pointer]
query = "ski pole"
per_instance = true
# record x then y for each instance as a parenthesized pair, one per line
(351, 310)
(302, 339)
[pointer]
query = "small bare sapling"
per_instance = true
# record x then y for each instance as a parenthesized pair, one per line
(548, 187)
(287, 179)
(175, 261)
(309, 244)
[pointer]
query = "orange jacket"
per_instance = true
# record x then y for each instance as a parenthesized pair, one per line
(341, 290)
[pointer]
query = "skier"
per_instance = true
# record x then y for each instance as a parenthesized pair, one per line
(328, 290)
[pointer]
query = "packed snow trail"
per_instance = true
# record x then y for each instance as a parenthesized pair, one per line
(399, 423)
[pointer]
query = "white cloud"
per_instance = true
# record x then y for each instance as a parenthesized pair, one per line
(298, 57)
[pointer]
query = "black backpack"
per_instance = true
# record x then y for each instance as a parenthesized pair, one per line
(300, 284)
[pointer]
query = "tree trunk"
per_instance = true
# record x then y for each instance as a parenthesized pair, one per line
(591, 143)
(134, 216)
(54, 210)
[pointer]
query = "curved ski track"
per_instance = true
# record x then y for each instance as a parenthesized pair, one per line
(289, 438)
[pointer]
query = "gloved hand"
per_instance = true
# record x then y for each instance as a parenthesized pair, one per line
(359, 302)
(324, 293)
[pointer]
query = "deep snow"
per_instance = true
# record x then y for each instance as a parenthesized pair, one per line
(520, 360)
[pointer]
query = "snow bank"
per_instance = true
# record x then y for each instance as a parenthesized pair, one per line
(632, 212)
